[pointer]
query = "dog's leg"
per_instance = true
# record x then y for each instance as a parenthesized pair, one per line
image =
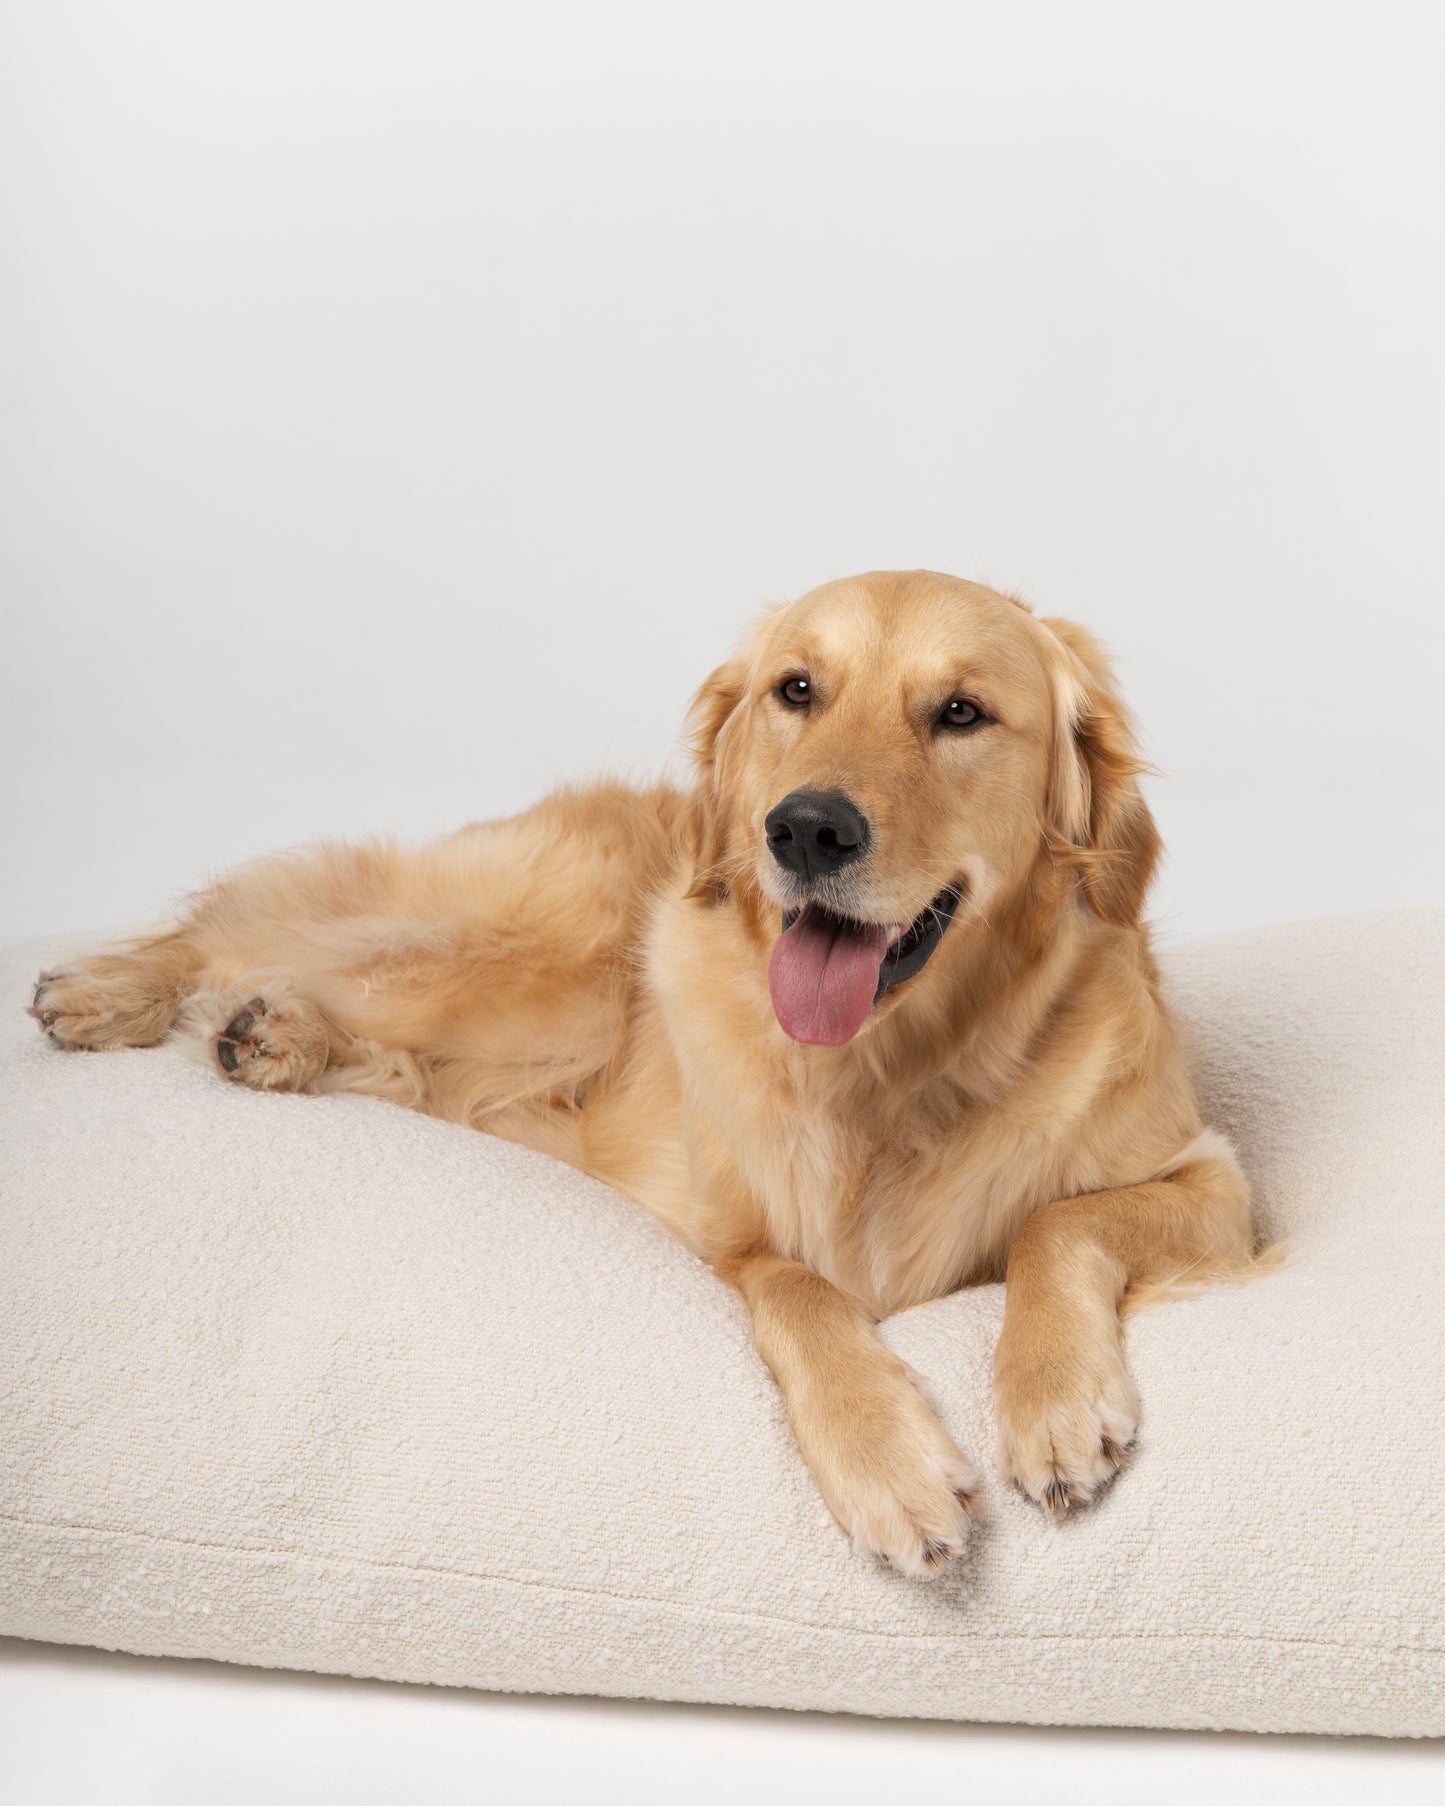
(127, 996)
(487, 978)
(266, 1033)
(883, 1462)
(1067, 1409)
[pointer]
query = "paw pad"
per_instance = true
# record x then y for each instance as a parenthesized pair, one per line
(234, 1042)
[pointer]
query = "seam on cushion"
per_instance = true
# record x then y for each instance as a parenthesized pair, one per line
(728, 1614)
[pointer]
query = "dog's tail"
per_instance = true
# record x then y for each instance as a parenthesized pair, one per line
(1209, 1270)
(1233, 1266)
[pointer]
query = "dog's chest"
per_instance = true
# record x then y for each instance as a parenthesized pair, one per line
(893, 1218)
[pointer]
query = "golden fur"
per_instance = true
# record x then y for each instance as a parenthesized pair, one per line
(590, 978)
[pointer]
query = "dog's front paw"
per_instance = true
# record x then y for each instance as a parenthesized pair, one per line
(276, 1042)
(1065, 1425)
(895, 1481)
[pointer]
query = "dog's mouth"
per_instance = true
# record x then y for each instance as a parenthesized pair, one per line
(828, 970)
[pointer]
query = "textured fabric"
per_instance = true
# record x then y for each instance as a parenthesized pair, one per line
(315, 1383)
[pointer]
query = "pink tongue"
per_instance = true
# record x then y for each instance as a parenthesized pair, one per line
(823, 977)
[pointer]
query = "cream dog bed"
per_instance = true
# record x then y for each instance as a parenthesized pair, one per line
(316, 1383)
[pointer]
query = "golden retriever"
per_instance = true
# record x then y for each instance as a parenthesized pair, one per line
(866, 1015)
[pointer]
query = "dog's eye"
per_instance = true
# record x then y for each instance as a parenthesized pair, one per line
(960, 713)
(797, 692)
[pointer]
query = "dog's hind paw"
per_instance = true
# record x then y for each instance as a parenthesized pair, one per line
(110, 1000)
(273, 1042)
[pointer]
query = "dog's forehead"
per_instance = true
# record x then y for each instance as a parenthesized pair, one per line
(920, 624)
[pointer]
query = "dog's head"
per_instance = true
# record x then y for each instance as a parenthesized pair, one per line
(897, 748)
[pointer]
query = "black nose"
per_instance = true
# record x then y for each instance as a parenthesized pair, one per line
(814, 832)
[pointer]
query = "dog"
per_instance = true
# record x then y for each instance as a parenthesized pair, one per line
(865, 1015)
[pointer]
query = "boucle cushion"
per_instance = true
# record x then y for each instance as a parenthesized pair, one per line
(316, 1383)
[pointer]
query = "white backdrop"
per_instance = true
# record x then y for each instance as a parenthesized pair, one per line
(405, 405)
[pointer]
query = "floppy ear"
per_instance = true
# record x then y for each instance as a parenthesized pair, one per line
(710, 712)
(1098, 819)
